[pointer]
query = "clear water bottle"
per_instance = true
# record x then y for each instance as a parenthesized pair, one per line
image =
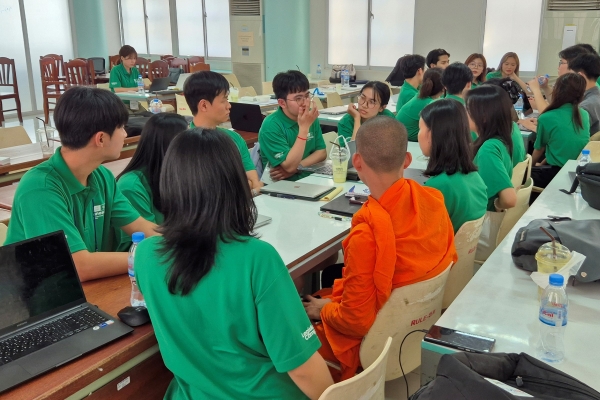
(585, 157)
(140, 83)
(318, 71)
(519, 106)
(136, 296)
(543, 79)
(553, 320)
(345, 78)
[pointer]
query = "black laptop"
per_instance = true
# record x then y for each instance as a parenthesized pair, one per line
(159, 84)
(245, 117)
(341, 206)
(45, 320)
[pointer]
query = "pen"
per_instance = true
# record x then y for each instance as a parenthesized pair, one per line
(335, 217)
(282, 196)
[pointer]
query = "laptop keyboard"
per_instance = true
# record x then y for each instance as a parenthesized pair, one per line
(44, 335)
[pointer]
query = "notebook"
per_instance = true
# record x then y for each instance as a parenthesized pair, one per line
(341, 206)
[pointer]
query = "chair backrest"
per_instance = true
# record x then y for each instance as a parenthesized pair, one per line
(529, 166)
(195, 59)
(195, 67)
(167, 57)
(113, 61)
(59, 62)
(99, 64)
(465, 241)
(49, 74)
(3, 232)
(233, 80)
(328, 138)
(318, 104)
(143, 65)
(369, 384)
(512, 215)
(595, 137)
(594, 148)
(8, 75)
(267, 87)
(519, 171)
(182, 106)
(13, 136)
(334, 100)
(158, 69)
(78, 72)
(416, 306)
(247, 91)
(179, 63)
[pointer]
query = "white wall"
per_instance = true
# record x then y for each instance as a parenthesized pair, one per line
(113, 29)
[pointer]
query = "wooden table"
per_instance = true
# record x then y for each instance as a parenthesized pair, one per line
(249, 137)
(149, 381)
(104, 78)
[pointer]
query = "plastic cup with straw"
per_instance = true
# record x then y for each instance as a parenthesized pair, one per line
(551, 256)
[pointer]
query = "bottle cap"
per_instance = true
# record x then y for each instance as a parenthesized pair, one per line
(557, 279)
(137, 237)
(585, 152)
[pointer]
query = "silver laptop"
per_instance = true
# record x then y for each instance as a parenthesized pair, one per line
(262, 220)
(181, 81)
(326, 167)
(335, 110)
(296, 190)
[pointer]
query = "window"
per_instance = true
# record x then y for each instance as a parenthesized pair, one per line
(353, 38)
(147, 26)
(217, 28)
(194, 39)
(506, 30)
(190, 27)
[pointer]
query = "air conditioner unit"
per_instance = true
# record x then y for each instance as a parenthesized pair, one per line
(247, 42)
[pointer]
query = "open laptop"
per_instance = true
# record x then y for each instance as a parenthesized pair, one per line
(45, 320)
(245, 117)
(178, 85)
(338, 110)
(296, 190)
(159, 85)
(262, 220)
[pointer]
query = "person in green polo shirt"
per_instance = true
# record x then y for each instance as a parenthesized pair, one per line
(488, 108)
(478, 65)
(457, 80)
(508, 68)
(226, 315)
(291, 137)
(431, 89)
(563, 129)
(139, 180)
(413, 67)
(73, 192)
(373, 99)
(444, 137)
(206, 94)
(124, 76)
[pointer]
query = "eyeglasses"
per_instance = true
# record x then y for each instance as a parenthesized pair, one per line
(370, 102)
(300, 99)
(130, 58)
(561, 62)
(473, 65)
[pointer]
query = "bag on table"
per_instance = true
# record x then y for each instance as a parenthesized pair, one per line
(588, 177)
(336, 72)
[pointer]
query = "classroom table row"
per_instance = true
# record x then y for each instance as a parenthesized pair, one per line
(501, 301)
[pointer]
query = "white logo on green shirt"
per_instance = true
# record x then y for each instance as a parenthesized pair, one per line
(309, 332)
(99, 211)
(278, 155)
(310, 136)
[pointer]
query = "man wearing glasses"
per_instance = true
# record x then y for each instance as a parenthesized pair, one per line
(291, 137)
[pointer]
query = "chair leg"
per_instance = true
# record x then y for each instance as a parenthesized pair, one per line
(19, 114)
(1, 114)
(46, 110)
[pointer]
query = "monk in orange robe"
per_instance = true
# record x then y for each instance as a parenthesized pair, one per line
(401, 235)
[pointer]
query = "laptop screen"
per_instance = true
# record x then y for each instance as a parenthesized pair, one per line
(38, 279)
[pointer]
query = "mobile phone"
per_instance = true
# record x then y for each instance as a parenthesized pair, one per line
(459, 340)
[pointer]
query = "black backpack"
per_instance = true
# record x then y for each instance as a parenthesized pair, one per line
(461, 376)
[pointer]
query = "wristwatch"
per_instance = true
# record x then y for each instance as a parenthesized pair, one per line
(300, 166)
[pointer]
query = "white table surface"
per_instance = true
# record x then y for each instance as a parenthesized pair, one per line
(344, 93)
(501, 300)
(135, 96)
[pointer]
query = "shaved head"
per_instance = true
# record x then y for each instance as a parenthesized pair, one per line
(381, 141)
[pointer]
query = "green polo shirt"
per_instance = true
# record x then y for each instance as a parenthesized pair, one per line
(457, 98)
(134, 185)
(556, 131)
(475, 84)
(495, 168)
(465, 196)
(49, 198)
(519, 153)
(346, 124)
(278, 134)
(240, 143)
(237, 333)
(409, 116)
(120, 78)
(407, 92)
(493, 75)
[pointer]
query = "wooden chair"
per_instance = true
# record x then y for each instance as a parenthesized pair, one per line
(59, 63)
(158, 69)
(179, 63)
(233, 80)
(369, 384)
(247, 91)
(465, 241)
(195, 60)
(167, 57)
(334, 100)
(182, 106)
(519, 173)
(199, 67)
(113, 61)
(267, 87)
(80, 72)
(143, 65)
(8, 78)
(52, 86)
(13, 136)
(416, 306)
(512, 215)
(3, 233)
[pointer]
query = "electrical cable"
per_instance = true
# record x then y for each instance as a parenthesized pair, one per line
(400, 356)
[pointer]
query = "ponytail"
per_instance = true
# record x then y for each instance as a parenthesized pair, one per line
(432, 83)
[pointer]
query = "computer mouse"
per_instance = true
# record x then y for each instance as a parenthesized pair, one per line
(134, 316)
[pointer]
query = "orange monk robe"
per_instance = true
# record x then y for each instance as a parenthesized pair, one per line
(403, 238)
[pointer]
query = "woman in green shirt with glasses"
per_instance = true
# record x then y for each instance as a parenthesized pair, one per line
(124, 76)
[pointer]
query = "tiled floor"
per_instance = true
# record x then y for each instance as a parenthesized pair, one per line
(396, 389)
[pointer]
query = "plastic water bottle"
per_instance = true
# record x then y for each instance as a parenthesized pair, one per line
(318, 71)
(345, 78)
(553, 320)
(519, 106)
(140, 83)
(585, 157)
(136, 296)
(543, 79)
